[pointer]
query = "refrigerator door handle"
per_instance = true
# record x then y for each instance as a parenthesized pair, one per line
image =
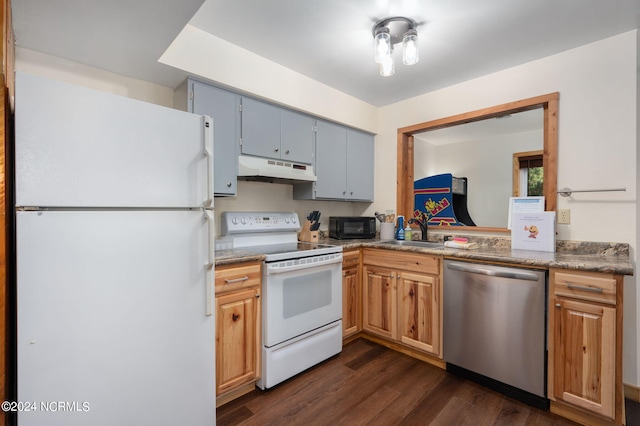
(208, 152)
(209, 266)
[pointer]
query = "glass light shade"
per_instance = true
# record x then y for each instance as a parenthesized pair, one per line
(387, 68)
(410, 47)
(382, 45)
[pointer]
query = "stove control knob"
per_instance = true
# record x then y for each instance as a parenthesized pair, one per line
(286, 220)
(243, 220)
(293, 219)
(234, 220)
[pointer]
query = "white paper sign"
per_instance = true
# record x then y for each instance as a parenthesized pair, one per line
(534, 231)
(524, 205)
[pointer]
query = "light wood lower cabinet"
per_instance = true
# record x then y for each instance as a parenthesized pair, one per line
(379, 304)
(238, 329)
(351, 293)
(585, 345)
(402, 298)
(419, 311)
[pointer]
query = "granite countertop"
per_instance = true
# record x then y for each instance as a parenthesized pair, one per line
(231, 256)
(577, 255)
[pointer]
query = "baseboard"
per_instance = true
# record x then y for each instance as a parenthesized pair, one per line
(579, 415)
(235, 393)
(398, 347)
(632, 392)
(351, 338)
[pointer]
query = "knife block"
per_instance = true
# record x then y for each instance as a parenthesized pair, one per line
(306, 234)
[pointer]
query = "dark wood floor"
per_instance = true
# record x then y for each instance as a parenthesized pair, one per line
(368, 384)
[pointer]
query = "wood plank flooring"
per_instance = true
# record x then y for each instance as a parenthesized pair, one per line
(368, 384)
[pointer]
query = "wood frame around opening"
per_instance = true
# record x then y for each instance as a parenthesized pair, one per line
(549, 104)
(517, 157)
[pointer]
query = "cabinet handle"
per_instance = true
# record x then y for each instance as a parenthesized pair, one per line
(228, 184)
(398, 276)
(235, 317)
(277, 149)
(257, 296)
(558, 305)
(286, 152)
(236, 280)
(579, 287)
(391, 276)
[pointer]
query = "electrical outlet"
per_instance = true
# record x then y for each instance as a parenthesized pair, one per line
(564, 216)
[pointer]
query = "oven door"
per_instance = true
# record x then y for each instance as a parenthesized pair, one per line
(300, 295)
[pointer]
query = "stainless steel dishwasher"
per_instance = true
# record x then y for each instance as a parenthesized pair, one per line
(494, 327)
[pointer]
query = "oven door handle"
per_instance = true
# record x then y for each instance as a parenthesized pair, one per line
(282, 267)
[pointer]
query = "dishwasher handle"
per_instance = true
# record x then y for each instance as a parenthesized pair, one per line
(502, 273)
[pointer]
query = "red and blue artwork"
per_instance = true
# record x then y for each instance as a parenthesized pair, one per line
(433, 200)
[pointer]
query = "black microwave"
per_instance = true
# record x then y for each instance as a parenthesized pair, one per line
(352, 227)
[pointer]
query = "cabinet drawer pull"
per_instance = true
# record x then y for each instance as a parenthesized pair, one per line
(579, 287)
(235, 317)
(236, 280)
(558, 305)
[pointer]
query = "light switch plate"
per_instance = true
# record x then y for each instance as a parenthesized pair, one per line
(564, 216)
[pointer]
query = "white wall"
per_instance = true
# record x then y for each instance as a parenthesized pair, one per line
(242, 70)
(597, 143)
(49, 66)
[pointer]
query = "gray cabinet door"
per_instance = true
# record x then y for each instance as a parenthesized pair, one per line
(223, 107)
(360, 160)
(260, 129)
(297, 136)
(331, 161)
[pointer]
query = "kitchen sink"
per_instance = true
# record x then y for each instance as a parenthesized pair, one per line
(424, 244)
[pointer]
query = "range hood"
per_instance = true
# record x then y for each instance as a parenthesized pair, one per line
(270, 170)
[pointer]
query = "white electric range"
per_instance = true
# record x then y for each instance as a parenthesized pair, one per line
(301, 288)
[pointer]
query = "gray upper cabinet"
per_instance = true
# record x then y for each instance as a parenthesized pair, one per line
(260, 129)
(344, 165)
(224, 108)
(273, 132)
(331, 161)
(360, 161)
(342, 157)
(296, 143)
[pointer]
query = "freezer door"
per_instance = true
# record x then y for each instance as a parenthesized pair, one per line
(77, 147)
(112, 318)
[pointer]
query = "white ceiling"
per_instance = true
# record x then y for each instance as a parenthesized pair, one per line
(327, 40)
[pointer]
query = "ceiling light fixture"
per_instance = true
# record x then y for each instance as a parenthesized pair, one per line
(390, 31)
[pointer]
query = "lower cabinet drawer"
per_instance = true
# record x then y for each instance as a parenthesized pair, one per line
(237, 277)
(591, 286)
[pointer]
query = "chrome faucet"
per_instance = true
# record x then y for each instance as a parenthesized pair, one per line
(422, 225)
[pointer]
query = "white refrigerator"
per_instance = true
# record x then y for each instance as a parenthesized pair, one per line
(115, 259)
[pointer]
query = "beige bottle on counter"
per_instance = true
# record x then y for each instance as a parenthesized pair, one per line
(407, 233)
